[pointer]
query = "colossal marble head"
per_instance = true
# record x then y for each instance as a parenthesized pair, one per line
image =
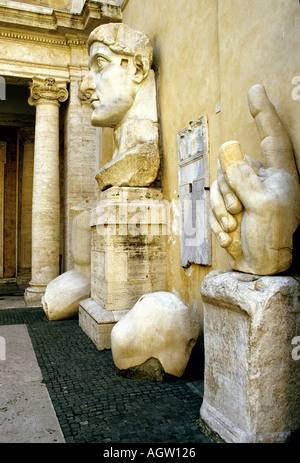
(120, 60)
(121, 86)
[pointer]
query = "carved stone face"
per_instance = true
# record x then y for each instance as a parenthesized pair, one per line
(111, 83)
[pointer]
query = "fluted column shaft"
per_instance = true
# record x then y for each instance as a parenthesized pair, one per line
(45, 95)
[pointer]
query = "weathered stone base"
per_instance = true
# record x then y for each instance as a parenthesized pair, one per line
(224, 430)
(252, 381)
(33, 296)
(97, 322)
(128, 257)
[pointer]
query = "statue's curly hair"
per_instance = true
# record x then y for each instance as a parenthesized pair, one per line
(122, 39)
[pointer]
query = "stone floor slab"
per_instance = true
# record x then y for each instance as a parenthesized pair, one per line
(26, 411)
(12, 302)
(93, 403)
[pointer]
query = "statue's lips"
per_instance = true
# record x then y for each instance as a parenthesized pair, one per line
(95, 103)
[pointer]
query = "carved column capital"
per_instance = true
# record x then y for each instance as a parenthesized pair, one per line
(47, 90)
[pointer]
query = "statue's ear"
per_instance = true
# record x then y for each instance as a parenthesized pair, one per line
(141, 68)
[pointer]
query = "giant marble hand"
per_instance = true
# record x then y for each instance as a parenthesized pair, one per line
(255, 207)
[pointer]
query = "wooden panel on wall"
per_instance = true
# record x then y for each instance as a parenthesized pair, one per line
(9, 135)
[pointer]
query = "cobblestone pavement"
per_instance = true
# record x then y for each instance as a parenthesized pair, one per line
(93, 403)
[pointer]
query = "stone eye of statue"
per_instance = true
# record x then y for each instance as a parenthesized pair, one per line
(101, 63)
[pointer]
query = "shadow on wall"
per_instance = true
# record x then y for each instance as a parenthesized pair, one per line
(295, 268)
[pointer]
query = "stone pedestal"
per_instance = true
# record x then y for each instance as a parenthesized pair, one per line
(252, 378)
(128, 257)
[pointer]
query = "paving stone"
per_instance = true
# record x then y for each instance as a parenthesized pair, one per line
(95, 404)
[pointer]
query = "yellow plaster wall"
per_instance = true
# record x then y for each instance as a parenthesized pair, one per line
(259, 42)
(185, 40)
(206, 53)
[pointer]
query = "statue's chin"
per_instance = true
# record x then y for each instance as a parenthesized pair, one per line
(111, 115)
(103, 119)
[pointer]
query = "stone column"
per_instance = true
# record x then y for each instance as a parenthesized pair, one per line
(45, 94)
(80, 160)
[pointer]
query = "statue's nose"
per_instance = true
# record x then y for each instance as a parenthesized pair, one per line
(88, 85)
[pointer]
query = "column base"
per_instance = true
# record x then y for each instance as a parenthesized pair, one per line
(97, 322)
(252, 377)
(33, 295)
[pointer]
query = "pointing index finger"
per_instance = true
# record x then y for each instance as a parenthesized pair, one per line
(276, 147)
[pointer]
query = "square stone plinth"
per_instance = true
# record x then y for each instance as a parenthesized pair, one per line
(128, 256)
(33, 296)
(252, 377)
(97, 322)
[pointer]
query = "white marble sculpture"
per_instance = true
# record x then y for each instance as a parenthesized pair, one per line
(122, 90)
(64, 293)
(159, 327)
(255, 207)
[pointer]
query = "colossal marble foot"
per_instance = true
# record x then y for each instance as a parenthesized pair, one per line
(158, 330)
(64, 293)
